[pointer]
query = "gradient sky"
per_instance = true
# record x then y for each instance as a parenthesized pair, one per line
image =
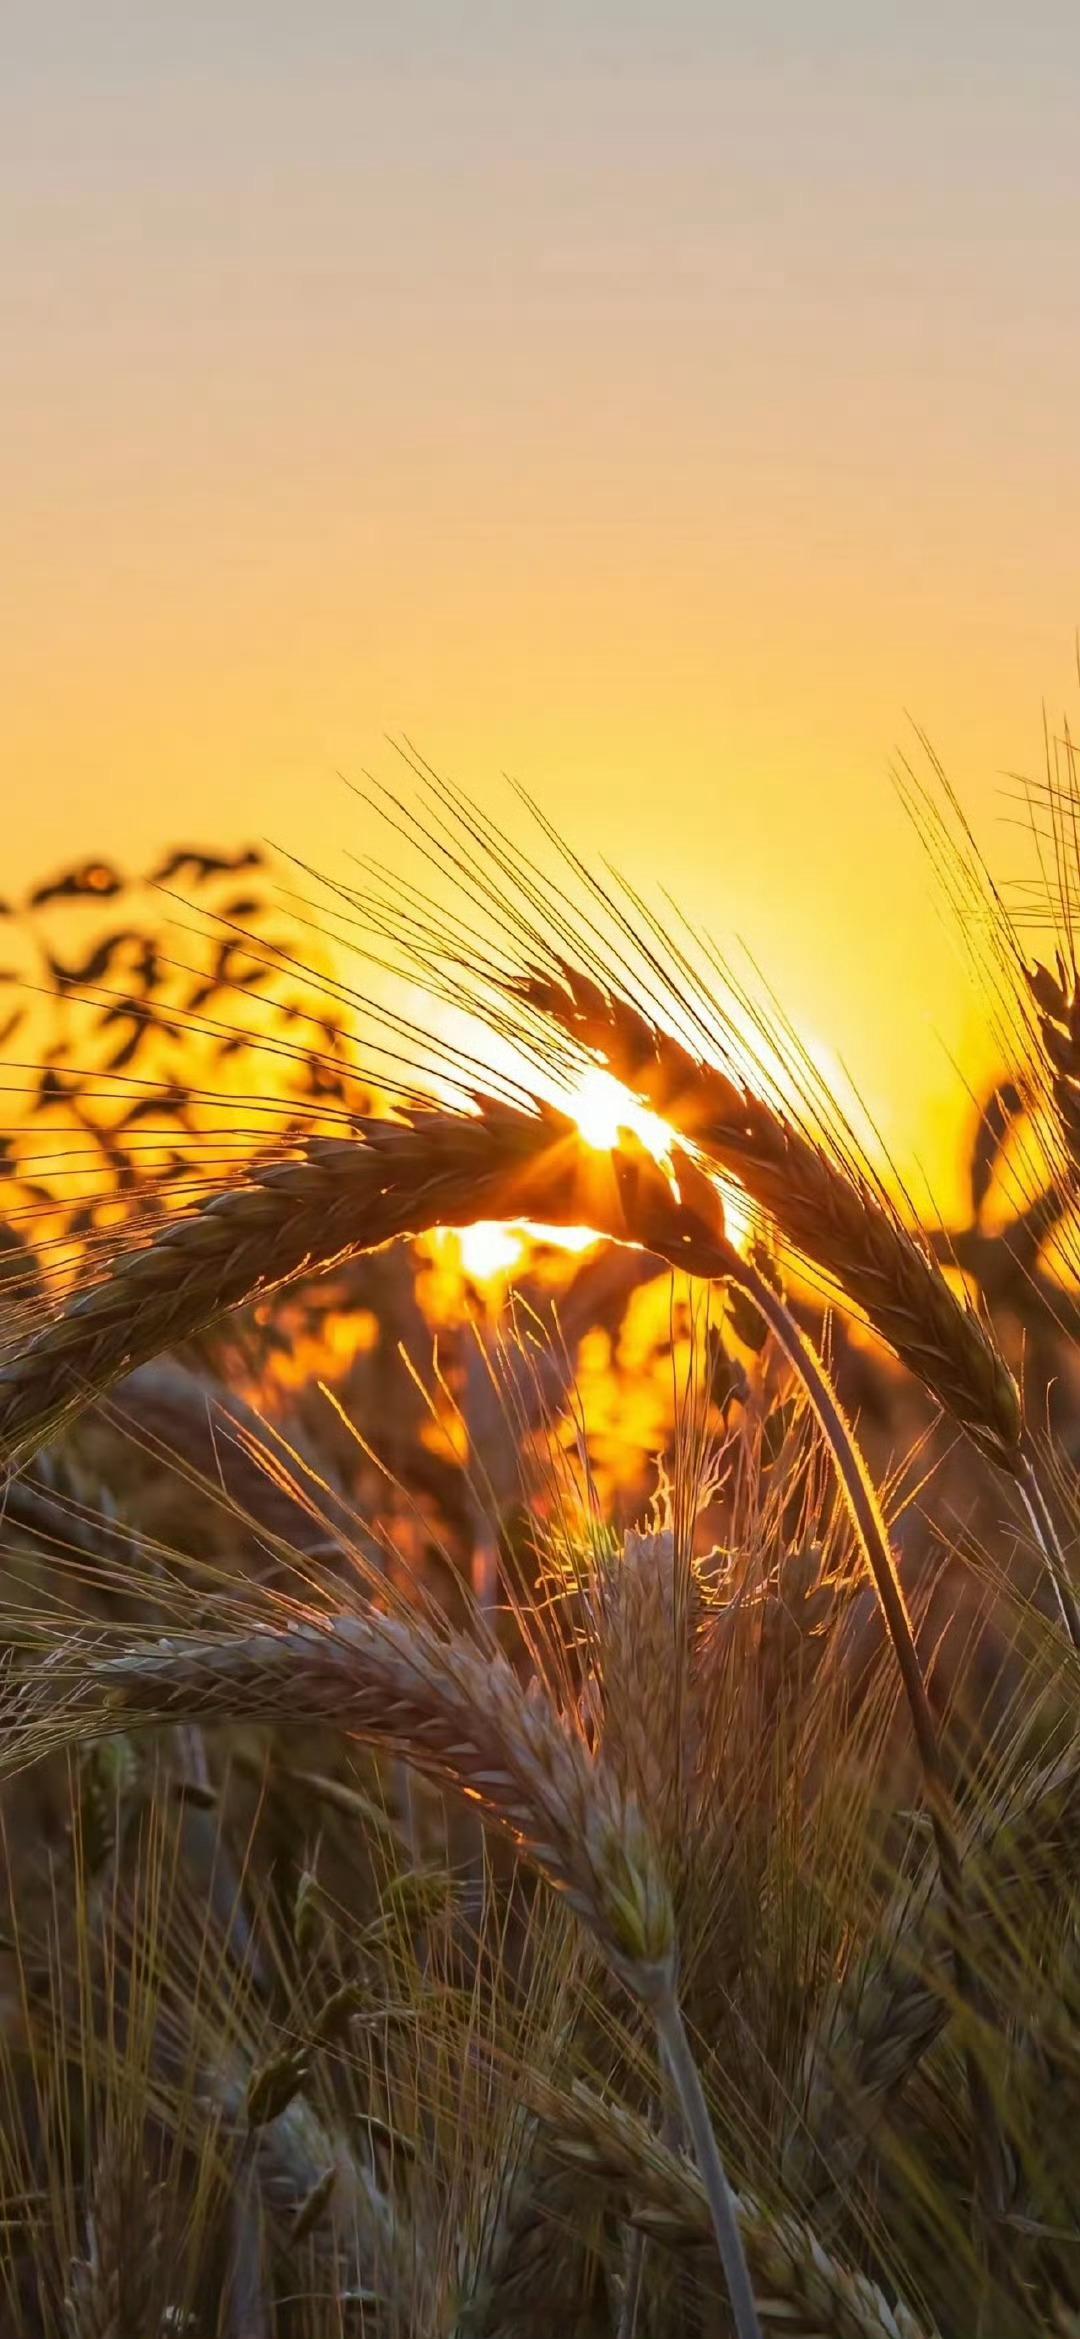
(654, 403)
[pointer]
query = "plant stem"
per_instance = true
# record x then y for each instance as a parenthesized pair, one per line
(1049, 1542)
(675, 2047)
(635, 2268)
(865, 1511)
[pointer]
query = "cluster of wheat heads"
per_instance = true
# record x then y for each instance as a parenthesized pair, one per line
(732, 1845)
(600, 1820)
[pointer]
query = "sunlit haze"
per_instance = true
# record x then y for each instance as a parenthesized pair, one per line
(657, 405)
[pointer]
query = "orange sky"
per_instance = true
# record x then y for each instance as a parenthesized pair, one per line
(653, 403)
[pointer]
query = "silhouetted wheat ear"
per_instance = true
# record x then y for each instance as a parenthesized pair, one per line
(332, 1200)
(1057, 1001)
(799, 2288)
(824, 1210)
(288, 1217)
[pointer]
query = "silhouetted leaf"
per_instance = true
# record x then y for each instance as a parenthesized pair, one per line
(239, 969)
(776, 1428)
(201, 866)
(746, 1320)
(87, 881)
(166, 1103)
(127, 1051)
(91, 969)
(50, 1090)
(727, 1377)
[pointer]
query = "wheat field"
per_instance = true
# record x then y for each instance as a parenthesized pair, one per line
(540, 1784)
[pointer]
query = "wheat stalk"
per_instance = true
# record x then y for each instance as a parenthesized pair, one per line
(801, 2290)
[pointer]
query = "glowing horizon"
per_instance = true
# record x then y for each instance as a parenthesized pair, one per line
(652, 405)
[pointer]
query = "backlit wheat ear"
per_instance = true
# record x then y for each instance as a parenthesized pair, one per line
(648, 1609)
(289, 1217)
(1056, 996)
(825, 1211)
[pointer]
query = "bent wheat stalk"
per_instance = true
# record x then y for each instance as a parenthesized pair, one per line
(707, 1252)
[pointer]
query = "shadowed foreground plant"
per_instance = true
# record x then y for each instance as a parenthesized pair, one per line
(893, 2007)
(801, 2289)
(457, 1711)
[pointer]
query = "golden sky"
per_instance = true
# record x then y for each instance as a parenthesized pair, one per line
(653, 403)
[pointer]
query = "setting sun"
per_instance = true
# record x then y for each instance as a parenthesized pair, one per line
(489, 1250)
(603, 1107)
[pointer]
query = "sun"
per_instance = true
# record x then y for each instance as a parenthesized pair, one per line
(602, 1108)
(490, 1250)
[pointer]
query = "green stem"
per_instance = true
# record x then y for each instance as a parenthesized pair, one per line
(723, 2208)
(865, 1512)
(1046, 1536)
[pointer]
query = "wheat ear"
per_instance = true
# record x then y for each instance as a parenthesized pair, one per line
(1056, 995)
(895, 2005)
(828, 1212)
(648, 1610)
(801, 2289)
(288, 1217)
(457, 1710)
